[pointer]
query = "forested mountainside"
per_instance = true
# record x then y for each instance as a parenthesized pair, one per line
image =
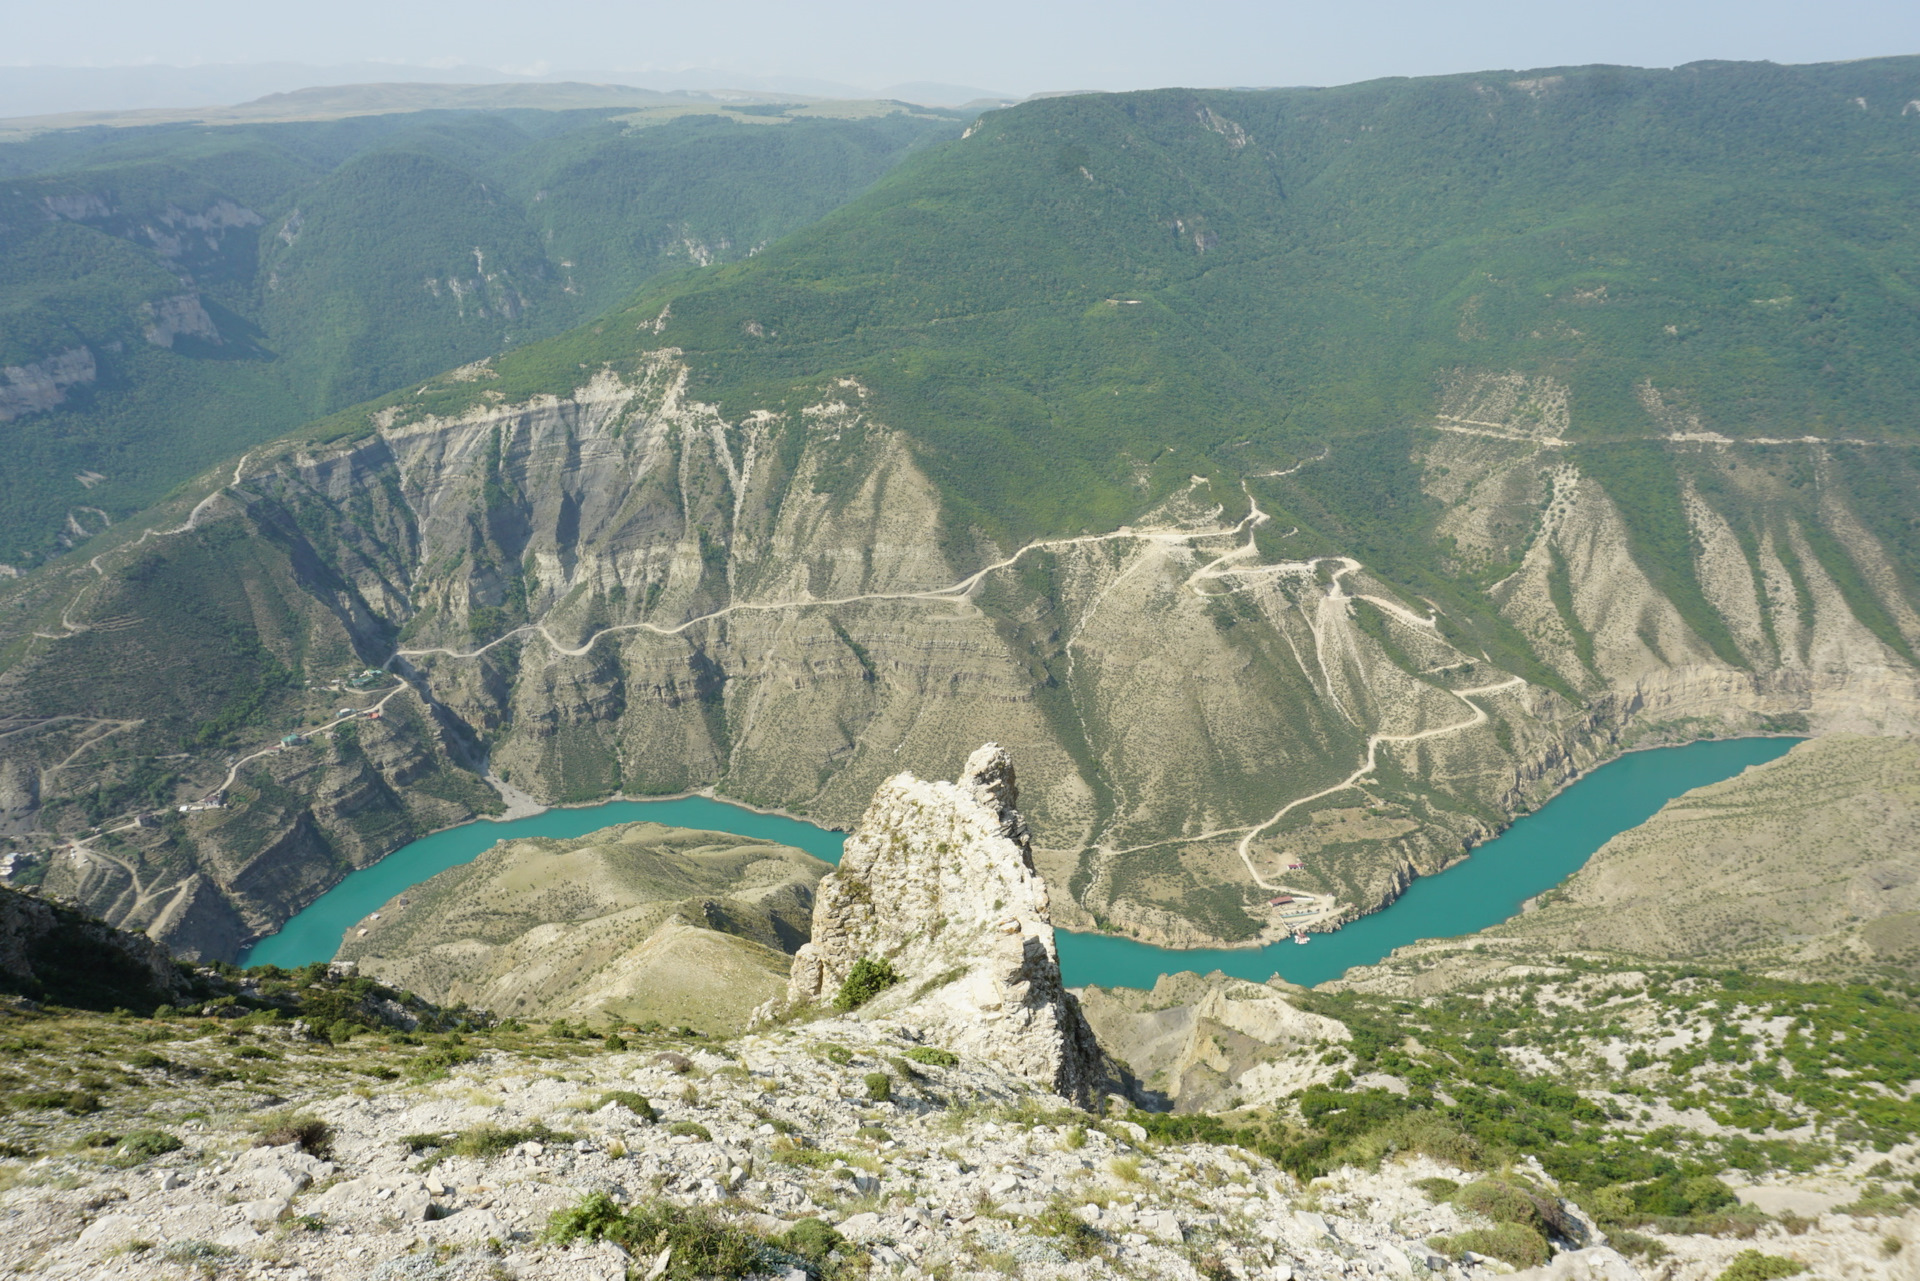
(172, 295)
(1301, 482)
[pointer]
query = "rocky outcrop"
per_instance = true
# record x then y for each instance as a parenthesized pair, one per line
(53, 953)
(182, 316)
(27, 389)
(938, 882)
(745, 1147)
(1203, 1043)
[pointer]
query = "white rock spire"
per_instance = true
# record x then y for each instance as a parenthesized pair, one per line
(938, 880)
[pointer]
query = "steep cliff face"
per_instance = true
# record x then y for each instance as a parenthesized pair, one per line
(938, 882)
(625, 590)
(52, 953)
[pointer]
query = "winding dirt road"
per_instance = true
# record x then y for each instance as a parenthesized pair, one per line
(1231, 568)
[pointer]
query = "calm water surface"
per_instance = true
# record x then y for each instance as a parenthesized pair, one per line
(1535, 854)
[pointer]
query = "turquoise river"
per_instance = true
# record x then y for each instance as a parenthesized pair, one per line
(1535, 854)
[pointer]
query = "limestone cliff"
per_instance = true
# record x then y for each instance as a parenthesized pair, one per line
(626, 590)
(938, 881)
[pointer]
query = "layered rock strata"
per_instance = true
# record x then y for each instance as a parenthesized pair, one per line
(781, 605)
(938, 881)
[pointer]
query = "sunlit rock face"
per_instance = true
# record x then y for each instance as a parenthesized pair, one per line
(938, 881)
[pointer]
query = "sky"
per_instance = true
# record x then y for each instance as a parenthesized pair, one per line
(1009, 46)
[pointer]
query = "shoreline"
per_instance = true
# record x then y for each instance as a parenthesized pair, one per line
(1258, 943)
(1261, 942)
(705, 793)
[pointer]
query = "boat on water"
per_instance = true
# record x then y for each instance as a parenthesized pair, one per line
(1300, 936)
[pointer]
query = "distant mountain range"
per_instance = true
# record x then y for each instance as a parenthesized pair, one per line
(43, 91)
(169, 293)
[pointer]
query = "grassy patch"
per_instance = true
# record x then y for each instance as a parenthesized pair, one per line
(1508, 1242)
(1752, 1265)
(685, 1244)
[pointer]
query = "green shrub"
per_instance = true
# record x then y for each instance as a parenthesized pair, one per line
(1878, 1199)
(634, 1103)
(75, 1102)
(872, 1134)
(789, 1151)
(1635, 1246)
(1436, 1138)
(1612, 1204)
(839, 1054)
(879, 1087)
(490, 1140)
(433, 1064)
(1508, 1242)
(1673, 1196)
(1506, 1202)
(615, 1042)
(147, 1059)
(1075, 1237)
(144, 1145)
(693, 1128)
(868, 979)
(293, 1129)
(1438, 1189)
(597, 1217)
(812, 1239)
(1751, 1265)
(696, 1243)
(932, 1057)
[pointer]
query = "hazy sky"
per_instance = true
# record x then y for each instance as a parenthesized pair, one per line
(1017, 46)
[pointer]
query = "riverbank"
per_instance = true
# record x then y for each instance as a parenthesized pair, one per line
(1534, 853)
(1473, 892)
(524, 805)
(315, 932)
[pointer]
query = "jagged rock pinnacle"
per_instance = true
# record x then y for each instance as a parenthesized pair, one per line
(938, 880)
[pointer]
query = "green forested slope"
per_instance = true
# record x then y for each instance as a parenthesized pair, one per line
(1307, 263)
(308, 266)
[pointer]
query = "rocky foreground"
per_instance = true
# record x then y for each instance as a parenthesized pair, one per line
(919, 1168)
(931, 1102)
